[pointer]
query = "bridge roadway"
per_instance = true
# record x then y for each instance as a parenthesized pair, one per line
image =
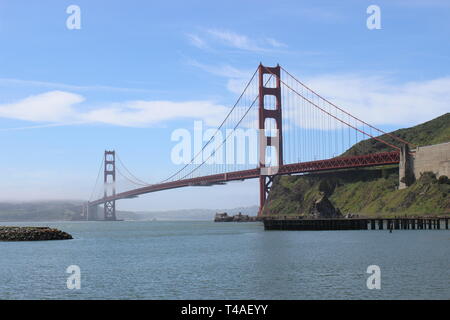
(368, 160)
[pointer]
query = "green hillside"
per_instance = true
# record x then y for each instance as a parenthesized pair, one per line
(368, 192)
(431, 132)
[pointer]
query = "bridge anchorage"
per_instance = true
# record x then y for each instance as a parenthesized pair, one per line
(298, 130)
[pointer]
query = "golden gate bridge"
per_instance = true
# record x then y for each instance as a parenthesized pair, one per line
(298, 131)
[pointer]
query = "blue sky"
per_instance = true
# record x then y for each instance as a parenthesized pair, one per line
(66, 95)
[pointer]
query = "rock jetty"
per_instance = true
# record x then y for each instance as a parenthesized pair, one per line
(32, 234)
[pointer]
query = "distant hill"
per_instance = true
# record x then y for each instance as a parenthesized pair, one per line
(372, 191)
(193, 214)
(430, 132)
(39, 211)
(70, 210)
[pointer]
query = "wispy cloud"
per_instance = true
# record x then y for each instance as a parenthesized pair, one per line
(56, 108)
(230, 39)
(236, 78)
(275, 43)
(196, 41)
(221, 70)
(64, 86)
(235, 40)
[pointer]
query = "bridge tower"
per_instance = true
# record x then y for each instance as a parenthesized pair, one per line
(267, 111)
(109, 208)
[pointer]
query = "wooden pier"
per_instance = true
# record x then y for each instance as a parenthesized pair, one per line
(404, 223)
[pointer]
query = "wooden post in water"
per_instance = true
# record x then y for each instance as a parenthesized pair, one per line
(380, 224)
(446, 223)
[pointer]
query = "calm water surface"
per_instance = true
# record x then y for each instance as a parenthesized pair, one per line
(206, 260)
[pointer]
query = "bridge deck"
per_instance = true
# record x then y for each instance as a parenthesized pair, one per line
(374, 159)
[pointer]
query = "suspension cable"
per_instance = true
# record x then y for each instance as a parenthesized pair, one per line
(348, 124)
(337, 107)
(223, 122)
(130, 180)
(132, 175)
(96, 180)
(229, 134)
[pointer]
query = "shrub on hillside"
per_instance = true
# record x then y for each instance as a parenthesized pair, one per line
(443, 180)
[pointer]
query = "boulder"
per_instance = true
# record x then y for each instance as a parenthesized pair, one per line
(324, 209)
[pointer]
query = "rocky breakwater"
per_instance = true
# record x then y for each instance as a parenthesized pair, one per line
(32, 234)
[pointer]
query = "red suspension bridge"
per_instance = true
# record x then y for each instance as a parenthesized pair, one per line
(297, 131)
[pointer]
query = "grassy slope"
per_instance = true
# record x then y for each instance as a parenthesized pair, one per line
(380, 197)
(431, 132)
(369, 192)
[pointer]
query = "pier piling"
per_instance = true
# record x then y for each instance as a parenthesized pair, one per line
(300, 223)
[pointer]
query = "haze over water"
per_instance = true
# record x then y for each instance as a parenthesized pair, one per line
(206, 260)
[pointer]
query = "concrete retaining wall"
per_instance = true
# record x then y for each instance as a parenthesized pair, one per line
(435, 158)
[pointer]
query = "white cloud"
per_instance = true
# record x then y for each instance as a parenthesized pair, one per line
(379, 101)
(59, 108)
(53, 106)
(147, 113)
(374, 99)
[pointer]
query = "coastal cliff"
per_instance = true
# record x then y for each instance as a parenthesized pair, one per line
(368, 192)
